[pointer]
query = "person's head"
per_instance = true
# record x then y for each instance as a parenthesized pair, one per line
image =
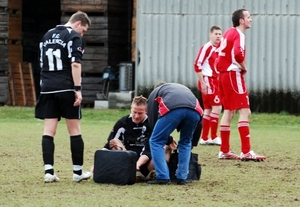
(241, 18)
(139, 109)
(159, 83)
(80, 22)
(215, 35)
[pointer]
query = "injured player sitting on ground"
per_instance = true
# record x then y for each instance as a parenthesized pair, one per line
(132, 132)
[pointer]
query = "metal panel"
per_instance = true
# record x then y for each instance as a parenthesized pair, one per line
(170, 32)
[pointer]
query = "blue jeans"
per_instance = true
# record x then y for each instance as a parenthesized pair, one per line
(165, 125)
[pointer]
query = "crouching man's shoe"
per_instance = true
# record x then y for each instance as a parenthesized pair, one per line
(159, 181)
(183, 182)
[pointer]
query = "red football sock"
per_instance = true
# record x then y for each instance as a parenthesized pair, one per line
(205, 127)
(225, 138)
(243, 127)
(214, 122)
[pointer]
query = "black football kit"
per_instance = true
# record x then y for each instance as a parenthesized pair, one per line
(59, 47)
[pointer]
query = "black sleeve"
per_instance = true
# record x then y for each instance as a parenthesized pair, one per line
(146, 150)
(77, 49)
(119, 124)
(110, 137)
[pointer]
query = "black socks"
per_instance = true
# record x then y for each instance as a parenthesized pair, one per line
(77, 147)
(48, 152)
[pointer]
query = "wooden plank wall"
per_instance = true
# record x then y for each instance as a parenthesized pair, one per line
(107, 41)
(21, 84)
(16, 85)
(28, 81)
(3, 89)
(10, 41)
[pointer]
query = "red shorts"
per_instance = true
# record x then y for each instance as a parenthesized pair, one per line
(211, 98)
(233, 91)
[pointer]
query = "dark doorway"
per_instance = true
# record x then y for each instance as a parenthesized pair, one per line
(37, 18)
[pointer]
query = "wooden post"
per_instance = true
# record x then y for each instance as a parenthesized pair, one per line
(28, 84)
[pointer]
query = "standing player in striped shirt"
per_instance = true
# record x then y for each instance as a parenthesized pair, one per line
(233, 91)
(61, 52)
(204, 67)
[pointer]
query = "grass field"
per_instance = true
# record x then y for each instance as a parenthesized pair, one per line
(274, 182)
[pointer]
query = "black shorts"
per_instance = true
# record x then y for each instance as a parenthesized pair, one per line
(144, 169)
(57, 105)
(138, 149)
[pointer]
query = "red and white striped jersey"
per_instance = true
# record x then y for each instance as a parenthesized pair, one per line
(232, 51)
(205, 60)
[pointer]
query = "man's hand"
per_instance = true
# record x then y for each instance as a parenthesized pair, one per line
(243, 68)
(116, 144)
(204, 88)
(78, 98)
(173, 145)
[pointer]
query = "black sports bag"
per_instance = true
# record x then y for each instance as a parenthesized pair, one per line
(115, 167)
(194, 166)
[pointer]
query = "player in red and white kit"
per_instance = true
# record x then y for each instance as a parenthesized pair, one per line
(233, 91)
(204, 67)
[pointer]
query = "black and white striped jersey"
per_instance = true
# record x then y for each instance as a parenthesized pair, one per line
(134, 136)
(59, 47)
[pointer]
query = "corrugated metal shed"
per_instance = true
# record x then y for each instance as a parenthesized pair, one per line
(170, 32)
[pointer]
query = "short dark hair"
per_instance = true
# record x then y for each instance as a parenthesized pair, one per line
(236, 16)
(80, 16)
(213, 28)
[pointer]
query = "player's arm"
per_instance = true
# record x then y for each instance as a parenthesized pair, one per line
(112, 134)
(116, 144)
(198, 70)
(76, 57)
(76, 73)
(141, 161)
(201, 57)
(203, 84)
(115, 133)
(110, 137)
(239, 53)
(243, 68)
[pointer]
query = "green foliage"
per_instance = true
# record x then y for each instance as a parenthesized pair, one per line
(274, 182)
